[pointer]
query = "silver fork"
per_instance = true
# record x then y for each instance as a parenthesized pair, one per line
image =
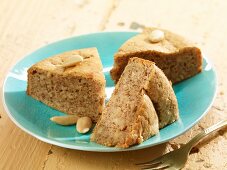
(177, 159)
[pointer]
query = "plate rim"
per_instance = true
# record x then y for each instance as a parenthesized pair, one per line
(104, 149)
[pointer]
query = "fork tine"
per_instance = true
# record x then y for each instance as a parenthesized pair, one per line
(150, 165)
(154, 161)
(157, 167)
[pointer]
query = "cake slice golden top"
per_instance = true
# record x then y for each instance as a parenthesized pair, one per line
(177, 57)
(75, 88)
(171, 43)
(91, 67)
(131, 116)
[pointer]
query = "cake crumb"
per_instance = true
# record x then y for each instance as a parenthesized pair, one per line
(207, 165)
(199, 160)
(194, 150)
(120, 23)
(135, 26)
(221, 132)
(50, 152)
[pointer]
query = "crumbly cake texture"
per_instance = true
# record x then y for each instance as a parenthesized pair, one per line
(131, 116)
(178, 58)
(79, 89)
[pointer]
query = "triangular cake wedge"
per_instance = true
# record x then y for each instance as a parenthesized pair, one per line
(77, 89)
(178, 58)
(142, 102)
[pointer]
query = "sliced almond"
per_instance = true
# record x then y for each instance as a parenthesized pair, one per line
(65, 120)
(156, 36)
(72, 61)
(83, 124)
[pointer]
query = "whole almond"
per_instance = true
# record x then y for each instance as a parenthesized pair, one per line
(83, 124)
(72, 60)
(156, 36)
(65, 120)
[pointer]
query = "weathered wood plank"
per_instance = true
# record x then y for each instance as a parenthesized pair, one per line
(189, 23)
(202, 22)
(29, 24)
(24, 26)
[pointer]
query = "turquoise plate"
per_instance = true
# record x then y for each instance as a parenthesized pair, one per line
(195, 96)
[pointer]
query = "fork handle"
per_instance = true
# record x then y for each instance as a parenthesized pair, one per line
(204, 133)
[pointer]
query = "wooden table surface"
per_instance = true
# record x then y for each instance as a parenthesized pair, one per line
(26, 25)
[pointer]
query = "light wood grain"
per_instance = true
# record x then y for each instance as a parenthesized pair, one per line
(26, 25)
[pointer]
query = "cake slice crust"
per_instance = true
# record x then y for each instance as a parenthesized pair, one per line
(79, 89)
(130, 116)
(178, 58)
